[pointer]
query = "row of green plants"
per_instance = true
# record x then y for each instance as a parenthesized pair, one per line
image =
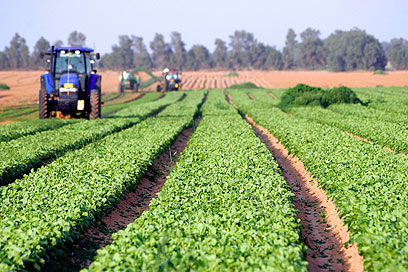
(21, 155)
(367, 183)
(169, 98)
(16, 130)
(109, 110)
(224, 207)
(389, 134)
(371, 113)
(42, 212)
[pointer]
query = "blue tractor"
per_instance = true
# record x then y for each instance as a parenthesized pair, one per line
(70, 87)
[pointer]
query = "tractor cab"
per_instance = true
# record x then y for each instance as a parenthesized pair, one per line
(70, 87)
(172, 79)
(128, 81)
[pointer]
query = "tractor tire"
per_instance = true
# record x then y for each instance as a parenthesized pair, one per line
(43, 112)
(95, 104)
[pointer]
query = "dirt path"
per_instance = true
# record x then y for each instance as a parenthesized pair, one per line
(251, 97)
(323, 231)
(370, 142)
(6, 122)
(272, 95)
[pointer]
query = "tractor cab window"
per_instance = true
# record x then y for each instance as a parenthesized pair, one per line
(72, 61)
(88, 63)
(172, 76)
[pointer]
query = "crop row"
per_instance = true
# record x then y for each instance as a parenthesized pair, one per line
(225, 206)
(389, 134)
(369, 112)
(109, 110)
(20, 155)
(15, 130)
(367, 183)
(45, 208)
(169, 98)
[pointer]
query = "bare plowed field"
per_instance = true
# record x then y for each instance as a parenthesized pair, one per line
(25, 84)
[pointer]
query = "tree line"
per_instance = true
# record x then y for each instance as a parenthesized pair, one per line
(340, 51)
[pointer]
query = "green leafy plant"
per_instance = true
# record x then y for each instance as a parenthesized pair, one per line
(225, 206)
(305, 95)
(366, 182)
(379, 72)
(4, 86)
(43, 210)
(23, 154)
(245, 85)
(232, 74)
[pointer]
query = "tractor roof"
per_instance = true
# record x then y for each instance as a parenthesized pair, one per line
(66, 48)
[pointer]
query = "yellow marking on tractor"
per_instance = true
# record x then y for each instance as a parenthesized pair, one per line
(81, 105)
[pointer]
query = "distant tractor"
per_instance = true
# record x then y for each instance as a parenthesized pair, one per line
(172, 80)
(70, 87)
(128, 81)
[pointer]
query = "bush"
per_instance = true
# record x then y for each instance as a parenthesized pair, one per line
(4, 86)
(232, 74)
(245, 85)
(304, 95)
(379, 72)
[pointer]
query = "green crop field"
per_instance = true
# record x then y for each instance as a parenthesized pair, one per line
(226, 204)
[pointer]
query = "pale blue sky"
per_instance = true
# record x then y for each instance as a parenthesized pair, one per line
(199, 22)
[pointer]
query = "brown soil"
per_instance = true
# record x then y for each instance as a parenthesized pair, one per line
(251, 97)
(273, 96)
(323, 231)
(370, 142)
(24, 85)
(6, 122)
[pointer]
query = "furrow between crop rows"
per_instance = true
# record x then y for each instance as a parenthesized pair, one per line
(43, 211)
(16, 130)
(323, 231)
(30, 152)
(79, 255)
(225, 206)
(366, 183)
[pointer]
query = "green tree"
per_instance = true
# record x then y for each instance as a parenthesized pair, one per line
(312, 53)
(289, 51)
(265, 57)
(76, 39)
(142, 57)
(58, 43)
(240, 43)
(354, 50)
(18, 54)
(4, 63)
(42, 45)
(274, 60)
(386, 46)
(399, 54)
(220, 54)
(121, 57)
(178, 47)
(162, 55)
(198, 57)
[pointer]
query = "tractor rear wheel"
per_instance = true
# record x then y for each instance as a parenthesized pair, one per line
(43, 104)
(95, 104)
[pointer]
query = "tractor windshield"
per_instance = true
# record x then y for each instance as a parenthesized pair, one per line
(72, 61)
(174, 76)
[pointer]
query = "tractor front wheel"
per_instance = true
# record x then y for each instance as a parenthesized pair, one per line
(43, 104)
(95, 104)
